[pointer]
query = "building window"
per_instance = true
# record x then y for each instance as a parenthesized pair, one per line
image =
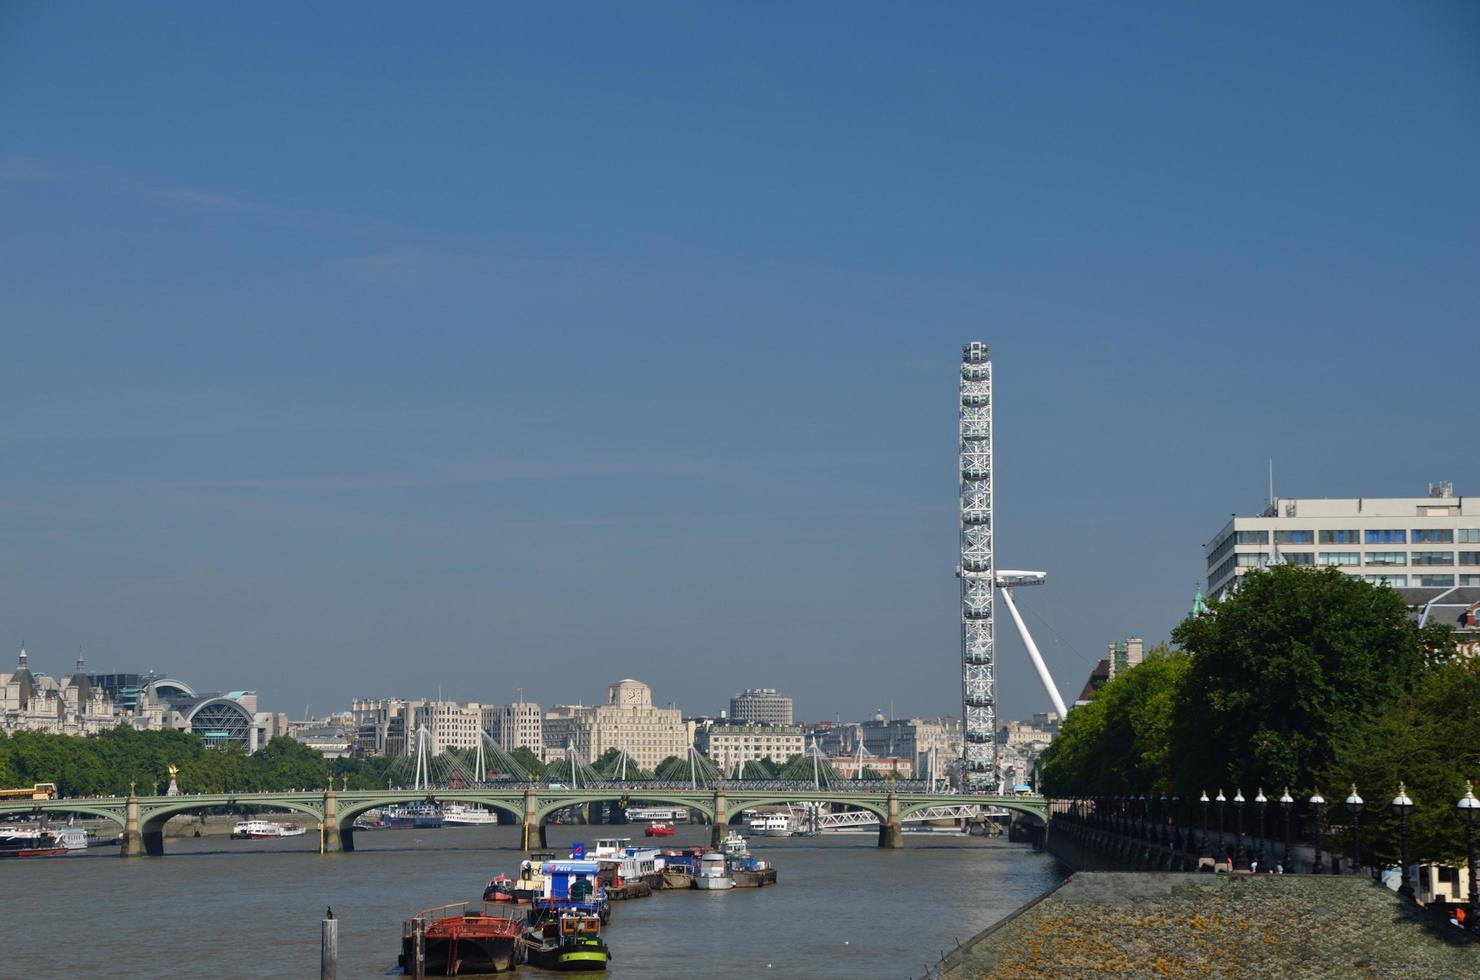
(1468, 535)
(1469, 557)
(1252, 537)
(1339, 537)
(1223, 548)
(1294, 537)
(1388, 537)
(1396, 581)
(1252, 560)
(1387, 557)
(1433, 581)
(1298, 557)
(1341, 558)
(1469, 580)
(1433, 558)
(1433, 535)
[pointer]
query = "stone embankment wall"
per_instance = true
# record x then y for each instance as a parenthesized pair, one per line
(1180, 925)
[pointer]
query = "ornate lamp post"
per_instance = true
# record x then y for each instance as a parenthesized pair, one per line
(1261, 801)
(1222, 802)
(1238, 812)
(1469, 808)
(1316, 802)
(1288, 803)
(1354, 803)
(1202, 843)
(1401, 805)
(1164, 822)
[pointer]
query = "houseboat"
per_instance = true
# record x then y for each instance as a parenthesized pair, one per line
(714, 873)
(570, 943)
(530, 882)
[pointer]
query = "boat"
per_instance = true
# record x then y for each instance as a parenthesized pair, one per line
(734, 844)
(773, 825)
(456, 940)
(500, 889)
(571, 886)
(530, 882)
(748, 871)
(659, 828)
(680, 867)
(264, 830)
(72, 838)
(371, 820)
(418, 816)
(567, 944)
(714, 873)
(29, 842)
(462, 815)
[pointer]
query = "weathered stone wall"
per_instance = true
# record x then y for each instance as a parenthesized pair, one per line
(1166, 924)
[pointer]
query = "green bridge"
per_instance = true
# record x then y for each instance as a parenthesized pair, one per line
(142, 818)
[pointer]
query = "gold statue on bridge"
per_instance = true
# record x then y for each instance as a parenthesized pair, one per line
(174, 790)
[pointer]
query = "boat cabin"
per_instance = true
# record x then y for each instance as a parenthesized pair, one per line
(572, 880)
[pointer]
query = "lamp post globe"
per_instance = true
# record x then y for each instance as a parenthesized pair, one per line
(1354, 803)
(1469, 810)
(1288, 803)
(1222, 802)
(1401, 805)
(1317, 802)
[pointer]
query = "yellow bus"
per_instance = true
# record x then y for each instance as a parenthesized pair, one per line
(40, 791)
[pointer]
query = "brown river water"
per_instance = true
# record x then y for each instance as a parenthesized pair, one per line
(214, 907)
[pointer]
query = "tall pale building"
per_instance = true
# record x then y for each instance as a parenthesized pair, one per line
(628, 721)
(1406, 542)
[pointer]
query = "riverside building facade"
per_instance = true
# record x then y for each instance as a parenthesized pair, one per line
(1406, 542)
(760, 705)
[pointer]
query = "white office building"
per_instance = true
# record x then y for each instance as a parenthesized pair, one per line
(1407, 542)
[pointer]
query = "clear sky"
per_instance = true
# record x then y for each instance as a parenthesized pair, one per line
(376, 349)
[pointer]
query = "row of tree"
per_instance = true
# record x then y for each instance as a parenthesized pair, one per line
(1302, 678)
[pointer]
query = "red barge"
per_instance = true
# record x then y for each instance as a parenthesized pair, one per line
(454, 940)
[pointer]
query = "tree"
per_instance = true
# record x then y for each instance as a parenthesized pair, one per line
(1430, 740)
(527, 759)
(1281, 671)
(1120, 742)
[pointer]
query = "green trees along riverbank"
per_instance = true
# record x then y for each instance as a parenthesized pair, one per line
(1302, 678)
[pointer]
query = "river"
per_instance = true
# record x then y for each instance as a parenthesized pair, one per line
(222, 908)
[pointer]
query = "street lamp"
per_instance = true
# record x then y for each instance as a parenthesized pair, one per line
(1222, 802)
(1469, 808)
(1316, 802)
(1401, 805)
(1260, 801)
(1202, 843)
(1288, 802)
(1238, 810)
(1354, 803)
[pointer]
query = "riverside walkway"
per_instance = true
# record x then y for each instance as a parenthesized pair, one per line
(142, 818)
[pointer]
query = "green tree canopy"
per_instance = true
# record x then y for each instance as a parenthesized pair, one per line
(1282, 670)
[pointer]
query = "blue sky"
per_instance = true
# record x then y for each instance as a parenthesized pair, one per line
(370, 349)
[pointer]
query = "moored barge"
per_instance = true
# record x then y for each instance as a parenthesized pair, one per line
(455, 940)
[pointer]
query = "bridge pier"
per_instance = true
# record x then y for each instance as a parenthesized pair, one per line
(721, 827)
(534, 831)
(133, 841)
(333, 838)
(891, 831)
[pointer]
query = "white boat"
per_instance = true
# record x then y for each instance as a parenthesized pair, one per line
(734, 845)
(72, 838)
(773, 825)
(462, 815)
(264, 830)
(714, 873)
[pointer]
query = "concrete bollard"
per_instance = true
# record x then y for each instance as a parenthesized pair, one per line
(329, 946)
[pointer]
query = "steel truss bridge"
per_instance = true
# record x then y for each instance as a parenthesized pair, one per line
(529, 805)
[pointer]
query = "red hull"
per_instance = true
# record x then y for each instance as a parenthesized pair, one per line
(35, 852)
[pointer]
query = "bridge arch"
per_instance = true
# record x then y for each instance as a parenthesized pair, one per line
(879, 808)
(114, 811)
(347, 810)
(1026, 807)
(548, 806)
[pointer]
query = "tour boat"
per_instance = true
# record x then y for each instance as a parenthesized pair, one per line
(72, 838)
(659, 828)
(570, 943)
(714, 873)
(264, 830)
(456, 940)
(461, 815)
(773, 825)
(418, 816)
(30, 842)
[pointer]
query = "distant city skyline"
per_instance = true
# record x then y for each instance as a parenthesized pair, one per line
(509, 349)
